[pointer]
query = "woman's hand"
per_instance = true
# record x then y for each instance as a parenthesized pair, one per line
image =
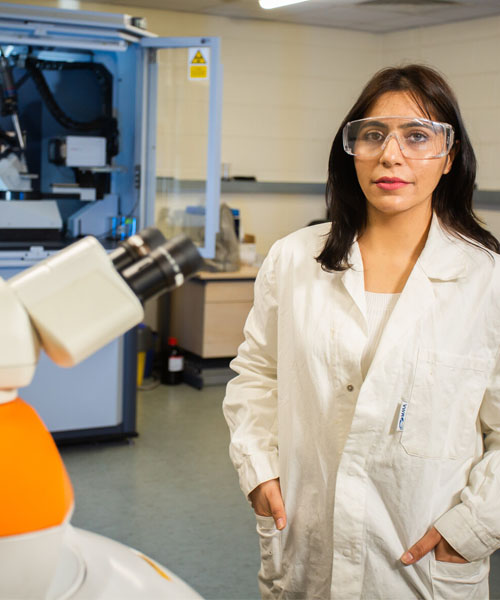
(442, 550)
(267, 501)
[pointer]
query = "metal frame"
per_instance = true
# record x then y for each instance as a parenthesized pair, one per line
(62, 28)
(53, 17)
(214, 132)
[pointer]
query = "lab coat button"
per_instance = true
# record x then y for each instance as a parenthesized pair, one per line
(346, 553)
(350, 387)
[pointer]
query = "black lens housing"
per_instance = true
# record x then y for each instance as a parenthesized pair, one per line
(136, 247)
(161, 266)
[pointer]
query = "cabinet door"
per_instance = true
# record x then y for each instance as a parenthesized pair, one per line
(184, 85)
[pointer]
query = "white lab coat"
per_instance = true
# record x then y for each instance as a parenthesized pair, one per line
(359, 492)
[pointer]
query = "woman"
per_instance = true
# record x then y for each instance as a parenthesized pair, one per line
(368, 378)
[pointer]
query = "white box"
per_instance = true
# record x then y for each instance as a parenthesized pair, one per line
(83, 151)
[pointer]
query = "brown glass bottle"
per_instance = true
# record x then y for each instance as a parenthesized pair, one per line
(173, 363)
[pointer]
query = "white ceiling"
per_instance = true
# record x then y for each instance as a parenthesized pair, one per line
(377, 16)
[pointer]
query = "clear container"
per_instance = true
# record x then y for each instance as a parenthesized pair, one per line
(194, 223)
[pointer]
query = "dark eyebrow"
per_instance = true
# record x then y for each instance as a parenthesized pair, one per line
(374, 123)
(417, 123)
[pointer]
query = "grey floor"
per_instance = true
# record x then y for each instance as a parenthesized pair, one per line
(172, 493)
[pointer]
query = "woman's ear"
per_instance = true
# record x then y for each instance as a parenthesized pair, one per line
(450, 158)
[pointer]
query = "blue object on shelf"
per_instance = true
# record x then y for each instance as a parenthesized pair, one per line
(123, 227)
(236, 215)
(195, 210)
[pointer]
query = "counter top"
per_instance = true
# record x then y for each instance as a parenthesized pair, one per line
(244, 272)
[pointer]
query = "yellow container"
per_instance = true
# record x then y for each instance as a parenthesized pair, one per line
(141, 363)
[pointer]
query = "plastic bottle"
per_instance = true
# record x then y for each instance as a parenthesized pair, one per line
(236, 216)
(173, 365)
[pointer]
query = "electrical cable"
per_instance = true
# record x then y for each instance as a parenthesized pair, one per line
(22, 80)
(106, 124)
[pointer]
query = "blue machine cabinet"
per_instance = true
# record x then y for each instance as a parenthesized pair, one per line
(72, 68)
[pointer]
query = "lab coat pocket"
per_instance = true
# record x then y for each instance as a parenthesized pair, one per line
(460, 581)
(443, 405)
(270, 557)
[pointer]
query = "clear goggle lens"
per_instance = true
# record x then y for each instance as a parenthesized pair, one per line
(417, 138)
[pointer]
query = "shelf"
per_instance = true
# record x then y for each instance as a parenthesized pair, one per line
(487, 199)
(234, 186)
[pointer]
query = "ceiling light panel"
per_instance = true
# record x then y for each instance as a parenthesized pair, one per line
(268, 4)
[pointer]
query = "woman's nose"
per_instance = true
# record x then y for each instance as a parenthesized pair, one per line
(391, 150)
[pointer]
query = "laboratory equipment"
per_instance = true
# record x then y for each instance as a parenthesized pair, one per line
(70, 305)
(78, 124)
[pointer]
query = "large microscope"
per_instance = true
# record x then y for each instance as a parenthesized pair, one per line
(70, 305)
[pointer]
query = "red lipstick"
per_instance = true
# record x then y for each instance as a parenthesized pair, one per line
(390, 183)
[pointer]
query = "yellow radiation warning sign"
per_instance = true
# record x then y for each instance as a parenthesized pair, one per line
(198, 63)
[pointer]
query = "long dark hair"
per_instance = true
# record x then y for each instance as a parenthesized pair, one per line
(452, 198)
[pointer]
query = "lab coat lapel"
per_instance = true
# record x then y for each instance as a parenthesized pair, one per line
(353, 280)
(442, 259)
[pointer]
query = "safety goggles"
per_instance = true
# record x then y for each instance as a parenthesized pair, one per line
(417, 138)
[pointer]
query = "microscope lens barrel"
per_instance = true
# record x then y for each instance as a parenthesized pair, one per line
(165, 268)
(136, 246)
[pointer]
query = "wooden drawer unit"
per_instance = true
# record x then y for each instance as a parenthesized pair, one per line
(209, 311)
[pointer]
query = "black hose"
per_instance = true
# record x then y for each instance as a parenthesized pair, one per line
(107, 124)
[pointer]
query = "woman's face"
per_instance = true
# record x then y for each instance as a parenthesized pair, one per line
(390, 182)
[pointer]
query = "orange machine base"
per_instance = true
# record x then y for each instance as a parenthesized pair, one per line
(36, 491)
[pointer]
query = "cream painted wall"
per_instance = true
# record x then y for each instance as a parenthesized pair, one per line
(272, 216)
(491, 219)
(468, 54)
(286, 88)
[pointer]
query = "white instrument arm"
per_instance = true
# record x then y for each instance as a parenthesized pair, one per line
(20, 346)
(71, 304)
